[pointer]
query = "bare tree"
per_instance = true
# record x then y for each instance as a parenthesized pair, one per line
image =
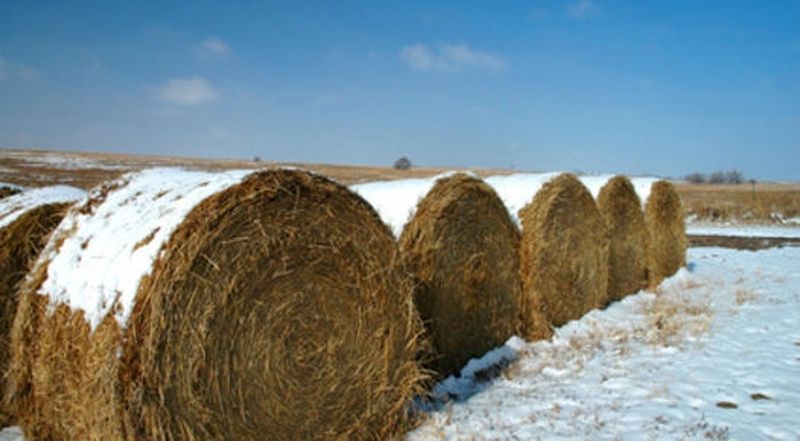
(734, 177)
(402, 164)
(695, 178)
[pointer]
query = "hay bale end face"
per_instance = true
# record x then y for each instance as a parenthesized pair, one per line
(666, 232)
(270, 306)
(461, 246)
(26, 226)
(563, 252)
(622, 211)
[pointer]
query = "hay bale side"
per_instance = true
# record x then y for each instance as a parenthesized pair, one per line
(622, 211)
(276, 310)
(564, 251)
(666, 232)
(461, 247)
(20, 244)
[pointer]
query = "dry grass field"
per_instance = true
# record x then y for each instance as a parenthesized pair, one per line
(36, 168)
(770, 203)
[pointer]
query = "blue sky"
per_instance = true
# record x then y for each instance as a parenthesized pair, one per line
(664, 88)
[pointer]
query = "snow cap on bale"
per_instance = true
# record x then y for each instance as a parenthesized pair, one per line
(564, 251)
(517, 190)
(26, 221)
(622, 211)
(667, 232)
(461, 246)
(229, 305)
(396, 201)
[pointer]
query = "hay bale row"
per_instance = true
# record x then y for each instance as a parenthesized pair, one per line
(463, 250)
(26, 221)
(188, 305)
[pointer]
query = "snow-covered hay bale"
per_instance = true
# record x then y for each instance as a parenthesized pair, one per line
(26, 222)
(189, 305)
(461, 246)
(667, 232)
(622, 211)
(564, 251)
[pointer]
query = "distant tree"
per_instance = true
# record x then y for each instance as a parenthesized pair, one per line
(734, 177)
(402, 164)
(256, 158)
(695, 178)
(717, 177)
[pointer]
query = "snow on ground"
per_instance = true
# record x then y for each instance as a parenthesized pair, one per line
(742, 230)
(69, 163)
(105, 251)
(14, 206)
(714, 355)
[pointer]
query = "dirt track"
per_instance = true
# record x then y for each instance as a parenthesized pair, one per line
(741, 243)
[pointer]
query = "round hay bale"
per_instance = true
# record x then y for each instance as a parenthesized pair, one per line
(564, 251)
(20, 244)
(461, 247)
(241, 306)
(666, 231)
(622, 211)
(26, 222)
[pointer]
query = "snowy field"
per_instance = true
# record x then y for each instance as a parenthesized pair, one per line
(715, 355)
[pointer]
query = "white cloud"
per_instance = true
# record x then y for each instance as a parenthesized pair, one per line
(582, 8)
(186, 91)
(10, 70)
(450, 57)
(213, 47)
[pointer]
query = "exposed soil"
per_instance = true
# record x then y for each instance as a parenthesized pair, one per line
(741, 243)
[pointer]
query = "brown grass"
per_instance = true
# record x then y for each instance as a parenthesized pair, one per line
(770, 203)
(564, 251)
(461, 246)
(666, 232)
(29, 168)
(622, 213)
(20, 244)
(276, 311)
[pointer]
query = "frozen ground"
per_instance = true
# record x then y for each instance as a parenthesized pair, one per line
(714, 355)
(742, 230)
